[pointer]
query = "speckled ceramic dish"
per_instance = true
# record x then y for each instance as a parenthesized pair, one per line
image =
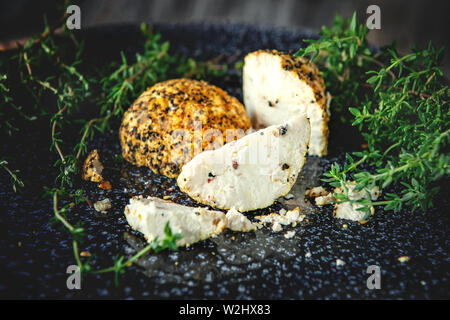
(34, 255)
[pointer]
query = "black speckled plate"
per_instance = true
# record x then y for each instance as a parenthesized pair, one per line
(34, 255)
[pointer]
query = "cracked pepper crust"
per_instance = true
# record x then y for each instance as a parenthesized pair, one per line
(148, 133)
(92, 167)
(306, 71)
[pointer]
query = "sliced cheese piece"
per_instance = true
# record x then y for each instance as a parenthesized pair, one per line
(277, 86)
(249, 173)
(238, 222)
(150, 216)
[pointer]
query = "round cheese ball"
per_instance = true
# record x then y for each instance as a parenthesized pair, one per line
(177, 119)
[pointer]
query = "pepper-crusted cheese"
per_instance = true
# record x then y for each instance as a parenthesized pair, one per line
(92, 167)
(150, 132)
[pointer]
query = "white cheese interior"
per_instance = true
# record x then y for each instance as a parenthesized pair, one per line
(249, 173)
(150, 216)
(238, 222)
(273, 95)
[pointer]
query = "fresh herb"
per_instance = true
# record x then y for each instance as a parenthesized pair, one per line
(15, 181)
(345, 56)
(120, 264)
(49, 74)
(403, 115)
(200, 70)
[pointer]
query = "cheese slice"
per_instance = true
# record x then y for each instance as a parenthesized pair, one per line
(277, 86)
(150, 216)
(249, 173)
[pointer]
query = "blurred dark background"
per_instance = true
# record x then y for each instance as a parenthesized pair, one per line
(410, 22)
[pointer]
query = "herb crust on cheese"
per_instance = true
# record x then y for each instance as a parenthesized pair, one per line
(151, 133)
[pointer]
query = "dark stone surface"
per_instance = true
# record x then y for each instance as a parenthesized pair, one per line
(34, 255)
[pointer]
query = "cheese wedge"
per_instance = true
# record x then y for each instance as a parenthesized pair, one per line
(150, 216)
(249, 173)
(278, 86)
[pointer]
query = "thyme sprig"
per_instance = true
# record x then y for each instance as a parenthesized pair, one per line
(403, 116)
(51, 74)
(15, 181)
(120, 264)
(344, 54)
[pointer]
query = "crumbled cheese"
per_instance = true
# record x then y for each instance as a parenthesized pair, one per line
(322, 197)
(103, 205)
(340, 263)
(236, 221)
(403, 259)
(277, 220)
(289, 234)
(324, 200)
(276, 227)
(316, 192)
(350, 211)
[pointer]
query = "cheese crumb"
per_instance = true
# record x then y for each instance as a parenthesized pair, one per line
(276, 227)
(403, 259)
(316, 192)
(324, 200)
(289, 234)
(236, 221)
(340, 263)
(350, 211)
(290, 217)
(103, 205)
